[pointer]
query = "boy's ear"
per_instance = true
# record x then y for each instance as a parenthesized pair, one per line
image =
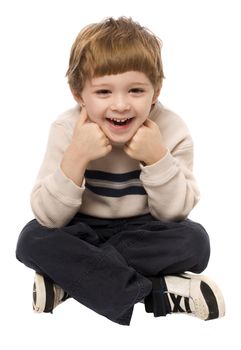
(156, 95)
(77, 97)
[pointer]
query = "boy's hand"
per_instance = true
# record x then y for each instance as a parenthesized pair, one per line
(89, 139)
(88, 143)
(147, 144)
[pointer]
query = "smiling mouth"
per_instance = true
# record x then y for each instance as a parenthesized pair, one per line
(119, 122)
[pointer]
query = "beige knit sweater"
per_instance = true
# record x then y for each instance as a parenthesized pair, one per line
(117, 186)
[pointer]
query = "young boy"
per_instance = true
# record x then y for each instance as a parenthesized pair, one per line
(115, 188)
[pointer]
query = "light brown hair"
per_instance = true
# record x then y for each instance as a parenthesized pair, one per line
(112, 47)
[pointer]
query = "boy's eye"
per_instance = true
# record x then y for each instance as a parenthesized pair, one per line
(136, 90)
(103, 92)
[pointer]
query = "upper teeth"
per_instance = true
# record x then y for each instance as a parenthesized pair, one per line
(119, 120)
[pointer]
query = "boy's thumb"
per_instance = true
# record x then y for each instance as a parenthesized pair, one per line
(149, 123)
(83, 118)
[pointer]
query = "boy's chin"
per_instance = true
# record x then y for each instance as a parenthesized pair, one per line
(119, 144)
(119, 141)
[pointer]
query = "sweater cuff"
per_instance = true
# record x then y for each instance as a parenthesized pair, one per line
(161, 171)
(65, 189)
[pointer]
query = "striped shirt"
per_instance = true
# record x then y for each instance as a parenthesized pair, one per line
(117, 186)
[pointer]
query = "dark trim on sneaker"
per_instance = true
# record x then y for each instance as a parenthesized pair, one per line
(211, 301)
(187, 305)
(49, 295)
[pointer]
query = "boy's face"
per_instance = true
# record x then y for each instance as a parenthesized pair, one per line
(119, 103)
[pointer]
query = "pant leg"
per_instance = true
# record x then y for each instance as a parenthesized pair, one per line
(92, 272)
(155, 248)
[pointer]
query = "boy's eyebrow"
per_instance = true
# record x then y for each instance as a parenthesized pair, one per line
(139, 83)
(132, 83)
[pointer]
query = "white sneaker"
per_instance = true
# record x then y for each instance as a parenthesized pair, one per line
(46, 295)
(196, 295)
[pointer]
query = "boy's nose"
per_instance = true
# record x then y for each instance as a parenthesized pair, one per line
(120, 104)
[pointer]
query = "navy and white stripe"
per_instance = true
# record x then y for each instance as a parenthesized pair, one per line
(114, 185)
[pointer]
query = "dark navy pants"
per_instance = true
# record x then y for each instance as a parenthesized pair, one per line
(105, 264)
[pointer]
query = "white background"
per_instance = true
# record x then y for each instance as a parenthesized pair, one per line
(201, 55)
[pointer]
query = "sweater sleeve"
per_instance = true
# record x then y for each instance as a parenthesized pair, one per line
(170, 185)
(55, 199)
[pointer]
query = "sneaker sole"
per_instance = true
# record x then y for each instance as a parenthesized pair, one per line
(42, 288)
(211, 297)
(39, 294)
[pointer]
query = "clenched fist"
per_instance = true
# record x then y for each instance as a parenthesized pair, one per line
(89, 139)
(147, 144)
(88, 143)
